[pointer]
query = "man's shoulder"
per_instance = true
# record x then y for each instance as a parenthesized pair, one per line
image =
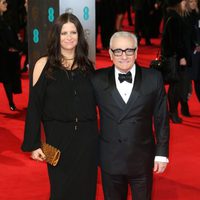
(148, 71)
(103, 71)
(150, 77)
(101, 75)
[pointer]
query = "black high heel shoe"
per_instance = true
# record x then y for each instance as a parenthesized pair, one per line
(175, 118)
(12, 107)
(185, 109)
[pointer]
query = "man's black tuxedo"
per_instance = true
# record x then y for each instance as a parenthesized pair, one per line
(127, 142)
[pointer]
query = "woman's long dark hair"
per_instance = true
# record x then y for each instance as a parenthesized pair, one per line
(54, 49)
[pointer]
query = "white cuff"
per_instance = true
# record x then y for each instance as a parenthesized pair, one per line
(161, 159)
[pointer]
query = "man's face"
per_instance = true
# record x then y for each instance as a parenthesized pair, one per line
(125, 60)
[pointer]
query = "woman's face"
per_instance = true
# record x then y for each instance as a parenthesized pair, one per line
(68, 37)
(3, 6)
(192, 4)
(26, 5)
(183, 5)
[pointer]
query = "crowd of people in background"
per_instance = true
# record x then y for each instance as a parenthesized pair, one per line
(12, 47)
(180, 38)
(146, 22)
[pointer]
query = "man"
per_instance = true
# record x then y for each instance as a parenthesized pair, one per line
(131, 100)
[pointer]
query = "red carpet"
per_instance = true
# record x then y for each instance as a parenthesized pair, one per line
(24, 179)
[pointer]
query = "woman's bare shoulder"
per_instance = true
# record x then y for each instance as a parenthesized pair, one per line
(38, 68)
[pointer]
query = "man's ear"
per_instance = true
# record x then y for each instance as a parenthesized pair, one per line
(135, 54)
(111, 54)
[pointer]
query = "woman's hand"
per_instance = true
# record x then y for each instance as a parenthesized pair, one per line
(38, 155)
(12, 50)
(183, 62)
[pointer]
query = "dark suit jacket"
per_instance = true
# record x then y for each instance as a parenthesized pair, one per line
(127, 142)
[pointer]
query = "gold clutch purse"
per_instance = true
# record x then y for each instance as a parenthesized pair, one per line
(52, 153)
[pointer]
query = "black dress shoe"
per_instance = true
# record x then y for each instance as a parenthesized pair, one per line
(98, 50)
(130, 24)
(148, 43)
(185, 113)
(12, 107)
(24, 69)
(175, 118)
(185, 109)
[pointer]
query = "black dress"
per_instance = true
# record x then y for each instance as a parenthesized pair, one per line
(66, 106)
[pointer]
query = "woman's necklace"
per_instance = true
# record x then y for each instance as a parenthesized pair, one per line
(69, 58)
(67, 63)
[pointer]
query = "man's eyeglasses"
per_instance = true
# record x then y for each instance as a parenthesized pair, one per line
(128, 51)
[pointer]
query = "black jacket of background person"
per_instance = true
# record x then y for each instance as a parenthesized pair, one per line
(146, 5)
(8, 36)
(173, 38)
(9, 61)
(127, 142)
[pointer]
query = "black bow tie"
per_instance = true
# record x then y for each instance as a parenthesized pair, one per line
(125, 77)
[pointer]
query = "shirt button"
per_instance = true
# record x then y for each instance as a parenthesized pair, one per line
(75, 127)
(75, 93)
(120, 141)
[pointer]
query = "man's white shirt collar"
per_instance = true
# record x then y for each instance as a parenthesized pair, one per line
(125, 88)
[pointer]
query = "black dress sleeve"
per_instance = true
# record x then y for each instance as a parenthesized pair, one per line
(32, 133)
(161, 119)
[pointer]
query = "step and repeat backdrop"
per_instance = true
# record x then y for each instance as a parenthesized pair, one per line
(41, 15)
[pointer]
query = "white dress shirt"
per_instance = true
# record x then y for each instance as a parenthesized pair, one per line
(124, 88)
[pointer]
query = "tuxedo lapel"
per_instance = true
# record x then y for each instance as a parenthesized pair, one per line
(113, 90)
(135, 92)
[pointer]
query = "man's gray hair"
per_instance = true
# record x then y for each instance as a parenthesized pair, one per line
(124, 34)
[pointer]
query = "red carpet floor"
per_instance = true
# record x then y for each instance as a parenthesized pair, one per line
(24, 179)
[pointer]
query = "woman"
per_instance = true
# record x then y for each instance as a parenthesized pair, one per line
(175, 42)
(194, 22)
(10, 50)
(62, 98)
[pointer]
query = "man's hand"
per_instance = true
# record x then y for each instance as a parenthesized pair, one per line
(38, 155)
(159, 167)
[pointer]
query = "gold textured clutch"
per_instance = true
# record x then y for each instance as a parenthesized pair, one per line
(52, 153)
